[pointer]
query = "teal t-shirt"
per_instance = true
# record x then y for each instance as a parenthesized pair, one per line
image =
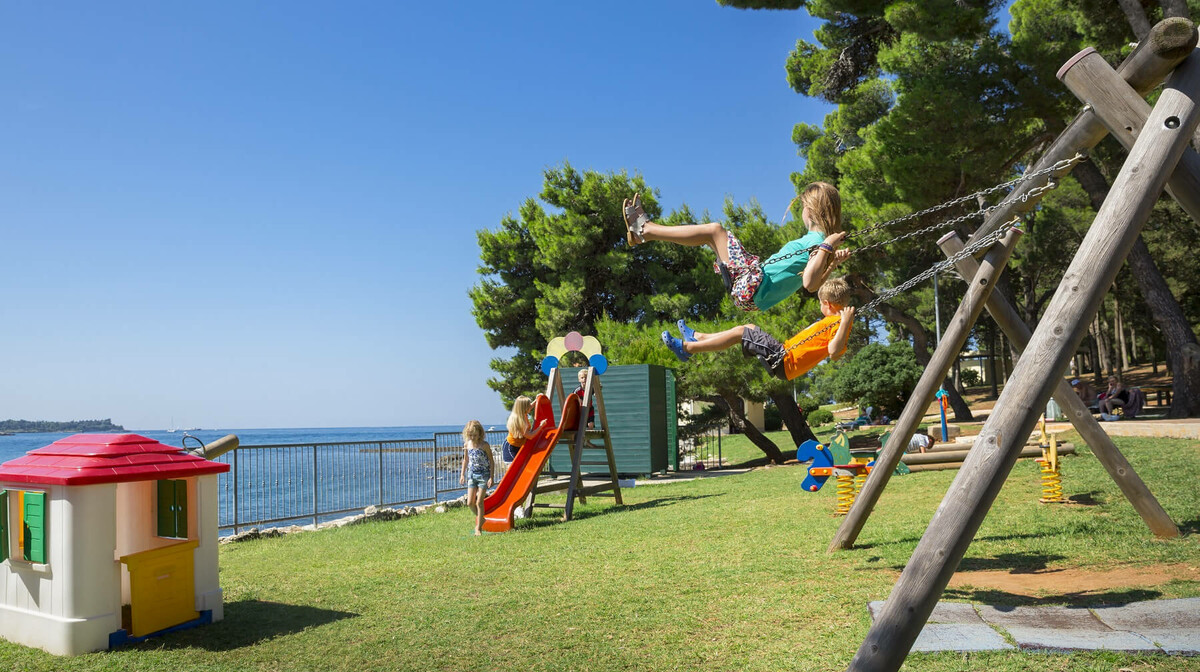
(781, 278)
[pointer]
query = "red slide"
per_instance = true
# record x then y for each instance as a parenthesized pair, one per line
(523, 473)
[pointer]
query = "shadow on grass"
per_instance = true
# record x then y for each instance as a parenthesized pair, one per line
(996, 597)
(1015, 563)
(912, 540)
(1086, 499)
(1190, 526)
(246, 623)
(543, 517)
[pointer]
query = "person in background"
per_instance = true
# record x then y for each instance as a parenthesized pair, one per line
(1115, 397)
(1084, 391)
(921, 441)
(591, 419)
(477, 469)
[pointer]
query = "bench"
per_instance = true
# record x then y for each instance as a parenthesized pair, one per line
(1162, 394)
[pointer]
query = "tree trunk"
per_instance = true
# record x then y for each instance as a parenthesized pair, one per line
(734, 406)
(793, 419)
(1179, 341)
(1175, 9)
(1119, 324)
(995, 391)
(1133, 347)
(1181, 344)
(1094, 346)
(1137, 17)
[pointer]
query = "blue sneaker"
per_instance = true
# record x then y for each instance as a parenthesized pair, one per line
(676, 346)
(689, 334)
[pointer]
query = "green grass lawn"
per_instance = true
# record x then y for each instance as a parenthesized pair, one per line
(723, 573)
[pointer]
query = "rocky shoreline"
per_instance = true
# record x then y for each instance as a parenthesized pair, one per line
(370, 514)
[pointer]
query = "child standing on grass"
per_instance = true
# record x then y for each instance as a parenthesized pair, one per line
(519, 429)
(825, 338)
(477, 468)
(751, 285)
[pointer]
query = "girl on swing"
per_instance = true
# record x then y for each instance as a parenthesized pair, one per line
(751, 285)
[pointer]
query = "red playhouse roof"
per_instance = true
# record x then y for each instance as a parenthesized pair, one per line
(87, 459)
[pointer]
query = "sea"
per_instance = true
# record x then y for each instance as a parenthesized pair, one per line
(17, 445)
(277, 487)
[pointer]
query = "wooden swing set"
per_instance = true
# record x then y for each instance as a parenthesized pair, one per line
(1159, 158)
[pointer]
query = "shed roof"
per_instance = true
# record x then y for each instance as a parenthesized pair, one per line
(86, 459)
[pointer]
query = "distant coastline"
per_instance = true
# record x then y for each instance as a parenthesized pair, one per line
(52, 426)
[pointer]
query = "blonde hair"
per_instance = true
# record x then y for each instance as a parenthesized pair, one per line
(473, 433)
(836, 291)
(518, 420)
(825, 206)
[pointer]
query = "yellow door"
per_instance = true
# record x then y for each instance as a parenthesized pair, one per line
(162, 590)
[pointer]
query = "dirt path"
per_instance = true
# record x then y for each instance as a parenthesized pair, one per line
(1041, 582)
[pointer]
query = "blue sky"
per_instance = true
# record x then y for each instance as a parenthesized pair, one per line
(236, 214)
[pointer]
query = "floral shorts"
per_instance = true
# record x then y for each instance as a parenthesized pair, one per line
(746, 273)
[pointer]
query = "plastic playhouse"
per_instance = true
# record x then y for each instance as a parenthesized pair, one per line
(106, 539)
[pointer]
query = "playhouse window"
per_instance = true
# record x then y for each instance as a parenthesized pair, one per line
(172, 509)
(23, 525)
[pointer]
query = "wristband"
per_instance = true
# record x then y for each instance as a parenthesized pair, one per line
(827, 247)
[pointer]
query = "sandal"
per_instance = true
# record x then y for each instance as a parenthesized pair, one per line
(635, 219)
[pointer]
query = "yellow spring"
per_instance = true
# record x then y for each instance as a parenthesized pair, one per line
(1051, 485)
(845, 494)
(859, 481)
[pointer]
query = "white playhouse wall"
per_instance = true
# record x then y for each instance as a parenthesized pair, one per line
(70, 604)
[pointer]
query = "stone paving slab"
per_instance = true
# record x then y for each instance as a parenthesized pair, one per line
(953, 626)
(943, 612)
(959, 637)
(1174, 625)
(1062, 629)
(1163, 626)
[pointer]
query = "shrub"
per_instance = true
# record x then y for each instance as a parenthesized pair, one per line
(969, 377)
(807, 404)
(772, 419)
(821, 416)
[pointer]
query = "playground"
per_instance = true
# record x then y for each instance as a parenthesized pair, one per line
(713, 573)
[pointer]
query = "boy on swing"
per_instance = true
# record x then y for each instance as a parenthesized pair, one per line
(826, 338)
(751, 285)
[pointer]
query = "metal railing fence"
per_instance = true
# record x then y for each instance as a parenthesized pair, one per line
(316, 482)
(701, 450)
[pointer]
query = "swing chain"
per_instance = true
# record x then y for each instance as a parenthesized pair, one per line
(949, 262)
(1033, 192)
(1058, 166)
(972, 248)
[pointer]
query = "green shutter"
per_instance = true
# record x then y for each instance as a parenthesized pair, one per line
(166, 508)
(172, 509)
(35, 526)
(3, 525)
(181, 530)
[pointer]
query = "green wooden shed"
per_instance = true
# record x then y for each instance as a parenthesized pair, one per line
(639, 400)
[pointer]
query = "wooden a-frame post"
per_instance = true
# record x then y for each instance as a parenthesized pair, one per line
(1153, 158)
(957, 330)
